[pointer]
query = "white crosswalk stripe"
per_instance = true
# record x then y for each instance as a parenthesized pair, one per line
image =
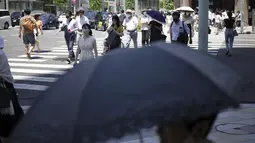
(42, 70)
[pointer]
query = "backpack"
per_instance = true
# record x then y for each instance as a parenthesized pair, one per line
(28, 24)
(183, 36)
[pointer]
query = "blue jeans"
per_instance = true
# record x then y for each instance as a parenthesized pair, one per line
(229, 39)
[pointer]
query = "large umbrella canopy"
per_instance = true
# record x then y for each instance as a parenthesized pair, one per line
(127, 90)
(185, 9)
(156, 16)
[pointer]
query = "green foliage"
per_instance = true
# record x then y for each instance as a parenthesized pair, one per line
(60, 2)
(168, 4)
(161, 4)
(139, 26)
(95, 4)
(130, 4)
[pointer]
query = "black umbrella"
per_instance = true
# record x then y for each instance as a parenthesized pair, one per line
(127, 90)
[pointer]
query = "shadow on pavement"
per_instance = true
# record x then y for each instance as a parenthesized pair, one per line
(243, 62)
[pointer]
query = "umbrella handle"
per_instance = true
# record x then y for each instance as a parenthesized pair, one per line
(140, 137)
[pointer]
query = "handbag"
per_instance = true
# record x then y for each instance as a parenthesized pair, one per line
(5, 94)
(235, 33)
(7, 121)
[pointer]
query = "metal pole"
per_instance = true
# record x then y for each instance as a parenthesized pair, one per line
(242, 16)
(203, 25)
(136, 7)
(253, 20)
(124, 4)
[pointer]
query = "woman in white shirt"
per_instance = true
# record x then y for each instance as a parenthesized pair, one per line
(218, 22)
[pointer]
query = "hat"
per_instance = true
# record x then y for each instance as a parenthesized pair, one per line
(1, 42)
(129, 11)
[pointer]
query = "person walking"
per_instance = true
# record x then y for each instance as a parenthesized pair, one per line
(218, 23)
(130, 23)
(10, 110)
(69, 36)
(145, 29)
(115, 31)
(86, 45)
(179, 31)
(229, 23)
(76, 24)
(188, 19)
(39, 24)
(122, 16)
(26, 30)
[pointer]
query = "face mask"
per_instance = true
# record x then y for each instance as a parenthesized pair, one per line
(85, 31)
(144, 13)
(129, 15)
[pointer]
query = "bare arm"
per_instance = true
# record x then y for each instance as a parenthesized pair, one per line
(95, 48)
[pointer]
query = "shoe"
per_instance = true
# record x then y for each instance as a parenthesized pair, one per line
(68, 61)
(227, 53)
(28, 55)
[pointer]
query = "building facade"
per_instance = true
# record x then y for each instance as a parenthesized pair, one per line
(3, 4)
(215, 5)
(19, 5)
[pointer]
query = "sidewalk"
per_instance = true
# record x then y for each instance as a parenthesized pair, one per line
(243, 62)
(235, 126)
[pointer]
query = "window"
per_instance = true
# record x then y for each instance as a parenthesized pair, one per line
(4, 13)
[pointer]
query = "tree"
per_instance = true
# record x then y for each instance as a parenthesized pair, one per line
(60, 3)
(95, 4)
(168, 4)
(161, 4)
(130, 4)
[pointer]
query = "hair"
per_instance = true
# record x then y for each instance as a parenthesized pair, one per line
(190, 126)
(37, 17)
(122, 11)
(115, 17)
(87, 26)
(229, 13)
(176, 13)
(27, 11)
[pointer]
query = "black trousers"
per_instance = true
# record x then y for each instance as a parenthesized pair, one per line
(145, 37)
(70, 40)
(190, 30)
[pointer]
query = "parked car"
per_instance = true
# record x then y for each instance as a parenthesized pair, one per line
(91, 16)
(15, 17)
(49, 20)
(5, 19)
(101, 21)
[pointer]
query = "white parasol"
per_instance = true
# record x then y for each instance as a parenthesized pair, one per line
(185, 9)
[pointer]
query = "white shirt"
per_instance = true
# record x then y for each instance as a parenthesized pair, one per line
(145, 23)
(78, 22)
(130, 24)
(187, 19)
(218, 18)
(177, 28)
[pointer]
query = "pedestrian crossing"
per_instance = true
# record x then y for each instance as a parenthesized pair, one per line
(34, 76)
